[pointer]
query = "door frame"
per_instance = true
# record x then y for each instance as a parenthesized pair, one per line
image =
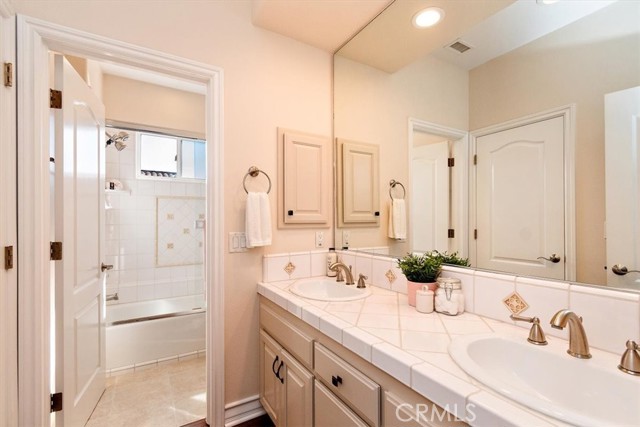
(568, 113)
(35, 38)
(8, 230)
(459, 177)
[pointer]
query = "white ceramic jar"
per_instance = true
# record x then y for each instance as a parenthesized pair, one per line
(424, 300)
(449, 297)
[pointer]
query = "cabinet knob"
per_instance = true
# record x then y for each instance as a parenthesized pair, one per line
(336, 380)
(290, 213)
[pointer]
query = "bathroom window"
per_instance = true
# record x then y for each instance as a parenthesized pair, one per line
(166, 156)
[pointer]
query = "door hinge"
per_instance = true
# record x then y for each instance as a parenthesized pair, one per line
(55, 99)
(8, 74)
(56, 251)
(8, 257)
(451, 233)
(475, 159)
(451, 162)
(475, 234)
(56, 402)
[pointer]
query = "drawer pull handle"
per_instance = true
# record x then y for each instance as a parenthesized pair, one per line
(278, 373)
(273, 367)
(336, 380)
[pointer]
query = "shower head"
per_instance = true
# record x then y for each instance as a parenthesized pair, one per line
(118, 140)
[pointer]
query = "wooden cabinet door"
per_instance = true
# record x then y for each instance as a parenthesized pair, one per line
(271, 388)
(360, 183)
(298, 394)
(329, 411)
(305, 186)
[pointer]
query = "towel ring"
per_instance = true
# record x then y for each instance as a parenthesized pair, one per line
(392, 185)
(253, 172)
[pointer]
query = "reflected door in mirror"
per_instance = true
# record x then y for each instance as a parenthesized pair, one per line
(622, 163)
(520, 199)
(429, 196)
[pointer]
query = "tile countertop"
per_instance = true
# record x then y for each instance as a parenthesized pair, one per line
(413, 347)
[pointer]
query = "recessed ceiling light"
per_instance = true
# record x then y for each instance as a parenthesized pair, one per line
(428, 17)
(546, 1)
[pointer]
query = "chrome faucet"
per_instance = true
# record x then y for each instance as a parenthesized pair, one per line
(578, 344)
(337, 266)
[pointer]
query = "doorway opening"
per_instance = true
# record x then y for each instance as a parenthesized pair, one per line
(197, 274)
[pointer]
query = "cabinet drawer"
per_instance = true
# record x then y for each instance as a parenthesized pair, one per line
(296, 343)
(362, 394)
(331, 412)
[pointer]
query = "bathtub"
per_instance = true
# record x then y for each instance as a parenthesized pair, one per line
(146, 332)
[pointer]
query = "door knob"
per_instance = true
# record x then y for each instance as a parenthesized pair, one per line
(553, 258)
(104, 267)
(621, 270)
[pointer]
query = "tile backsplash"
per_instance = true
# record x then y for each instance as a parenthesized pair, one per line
(610, 317)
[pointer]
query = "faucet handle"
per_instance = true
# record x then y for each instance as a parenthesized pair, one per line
(630, 361)
(361, 279)
(536, 334)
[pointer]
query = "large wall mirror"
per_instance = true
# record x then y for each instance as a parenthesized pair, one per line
(426, 95)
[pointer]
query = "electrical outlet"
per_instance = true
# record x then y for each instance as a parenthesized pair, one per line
(346, 235)
(237, 242)
(319, 239)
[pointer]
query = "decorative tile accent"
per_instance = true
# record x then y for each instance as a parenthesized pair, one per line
(176, 217)
(515, 303)
(289, 268)
(392, 277)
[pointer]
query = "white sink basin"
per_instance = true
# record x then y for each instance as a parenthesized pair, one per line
(584, 392)
(328, 290)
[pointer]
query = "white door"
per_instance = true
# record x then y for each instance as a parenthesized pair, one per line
(520, 200)
(622, 165)
(79, 207)
(429, 196)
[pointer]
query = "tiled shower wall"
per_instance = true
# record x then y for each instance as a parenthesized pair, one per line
(130, 234)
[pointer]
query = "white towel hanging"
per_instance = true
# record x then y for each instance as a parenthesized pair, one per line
(397, 219)
(258, 220)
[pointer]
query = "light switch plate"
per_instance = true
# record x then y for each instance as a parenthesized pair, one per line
(237, 242)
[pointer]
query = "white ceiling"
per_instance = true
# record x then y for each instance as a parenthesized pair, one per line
(390, 42)
(326, 24)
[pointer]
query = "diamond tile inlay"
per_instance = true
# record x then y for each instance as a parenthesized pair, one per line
(289, 268)
(175, 226)
(390, 276)
(515, 303)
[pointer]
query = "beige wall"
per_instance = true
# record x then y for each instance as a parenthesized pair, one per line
(269, 81)
(563, 68)
(133, 101)
(373, 106)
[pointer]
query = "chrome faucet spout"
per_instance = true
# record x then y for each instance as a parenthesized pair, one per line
(337, 266)
(578, 343)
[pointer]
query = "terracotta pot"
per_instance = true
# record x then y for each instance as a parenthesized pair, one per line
(412, 287)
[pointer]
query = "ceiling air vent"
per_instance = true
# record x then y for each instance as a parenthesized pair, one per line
(460, 47)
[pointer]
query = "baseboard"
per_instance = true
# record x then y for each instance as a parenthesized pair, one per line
(242, 410)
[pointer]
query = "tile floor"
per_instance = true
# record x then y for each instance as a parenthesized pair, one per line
(168, 395)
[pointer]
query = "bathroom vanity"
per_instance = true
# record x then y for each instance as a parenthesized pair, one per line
(307, 378)
(376, 361)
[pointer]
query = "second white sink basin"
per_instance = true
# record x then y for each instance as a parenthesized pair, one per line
(584, 392)
(328, 290)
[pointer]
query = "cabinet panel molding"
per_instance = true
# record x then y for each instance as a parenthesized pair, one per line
(304, 180)
(358, 184)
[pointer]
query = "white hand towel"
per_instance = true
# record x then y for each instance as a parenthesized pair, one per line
(397, 219)
(258, 220)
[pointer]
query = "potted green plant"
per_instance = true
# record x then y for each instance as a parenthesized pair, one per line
(420, 270)
(423, 269)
